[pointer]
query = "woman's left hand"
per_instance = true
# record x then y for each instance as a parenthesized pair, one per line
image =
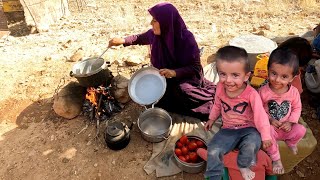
(168, 73)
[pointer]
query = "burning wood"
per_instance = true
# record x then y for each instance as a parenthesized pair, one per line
(91, 95)
(99, 103)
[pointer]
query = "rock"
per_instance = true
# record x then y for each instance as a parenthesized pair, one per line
(291, 33)
(122, 95)
(68, 101)
(65, 160)
(77, 56)
(113, 162)
(314, 116)
(95, 165)
(48, 58)
(265, 27)
(133, 60)
(260, 33)
(300, 174)
(123, 84)
(33, 30)
(67, 44)
(120, 89)
(254, 29)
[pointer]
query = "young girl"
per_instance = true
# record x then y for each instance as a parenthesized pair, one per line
(242, 113)
(282, 102)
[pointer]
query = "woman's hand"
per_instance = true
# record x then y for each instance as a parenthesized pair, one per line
(116, 42)
(286, 126)
(266, 144)
(168, 73)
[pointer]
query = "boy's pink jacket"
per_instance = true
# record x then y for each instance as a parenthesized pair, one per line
(245, 110)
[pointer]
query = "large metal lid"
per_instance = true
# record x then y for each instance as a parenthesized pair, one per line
(254, 44)
(146, 86)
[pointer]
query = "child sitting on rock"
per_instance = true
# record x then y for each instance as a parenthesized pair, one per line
(242, 114)
(282, 102)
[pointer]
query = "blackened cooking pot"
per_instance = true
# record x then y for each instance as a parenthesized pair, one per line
(91, 72)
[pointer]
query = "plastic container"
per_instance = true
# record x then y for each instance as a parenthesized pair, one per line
(261, 67)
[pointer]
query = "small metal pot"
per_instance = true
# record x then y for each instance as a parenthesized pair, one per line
(155, 124)
(91, 72)
(190, 167)
(117, 135)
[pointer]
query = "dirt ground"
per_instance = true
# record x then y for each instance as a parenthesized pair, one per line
(35, 143)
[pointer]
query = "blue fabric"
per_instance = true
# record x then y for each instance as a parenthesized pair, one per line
(247, 140)
(316, 43)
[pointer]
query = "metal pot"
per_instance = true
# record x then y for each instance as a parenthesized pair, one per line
(190, 167)
(155, 124)
(91, 72)
(117, 135)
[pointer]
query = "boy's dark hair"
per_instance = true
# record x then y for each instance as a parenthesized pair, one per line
(285, 56)
(301, 47)
(233, 54)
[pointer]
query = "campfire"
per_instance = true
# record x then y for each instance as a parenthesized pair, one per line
(99, 103)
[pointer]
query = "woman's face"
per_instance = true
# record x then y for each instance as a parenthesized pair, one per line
(155, 26)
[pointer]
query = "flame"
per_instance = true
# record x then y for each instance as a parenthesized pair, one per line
(91, 95)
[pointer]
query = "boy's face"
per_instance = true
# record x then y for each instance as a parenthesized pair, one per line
(232, 74)
(280, 76)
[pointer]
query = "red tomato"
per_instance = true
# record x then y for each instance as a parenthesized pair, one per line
(178, 152)
(187, 158)
(192, 146)
(200, 144)
(193, 157)
(179, 144)
(192, 140)
(184, 150)
(184, 139)
(182, 158)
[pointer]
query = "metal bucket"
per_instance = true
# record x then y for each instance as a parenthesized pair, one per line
(155, 124)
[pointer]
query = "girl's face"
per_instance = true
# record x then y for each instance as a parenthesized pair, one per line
(232, 75)
(155, 26)
(280, 76)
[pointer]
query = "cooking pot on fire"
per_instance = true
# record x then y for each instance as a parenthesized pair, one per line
(146, 87)
(91, 72)
(117, 135)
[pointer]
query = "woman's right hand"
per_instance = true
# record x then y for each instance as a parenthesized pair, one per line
(116, 42)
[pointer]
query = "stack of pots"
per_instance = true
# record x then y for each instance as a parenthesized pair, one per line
(146, 87)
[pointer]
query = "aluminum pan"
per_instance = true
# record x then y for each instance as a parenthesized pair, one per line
(147, 86)
(88, 67)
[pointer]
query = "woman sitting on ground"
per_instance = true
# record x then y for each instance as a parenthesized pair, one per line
(175, 53)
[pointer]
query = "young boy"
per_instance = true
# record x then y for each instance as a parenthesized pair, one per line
(243, 116)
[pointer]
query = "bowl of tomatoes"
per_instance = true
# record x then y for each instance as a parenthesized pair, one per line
(185, 154)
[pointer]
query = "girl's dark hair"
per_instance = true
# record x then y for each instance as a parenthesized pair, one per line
(301, 47)
(285, 56)
(233, 54)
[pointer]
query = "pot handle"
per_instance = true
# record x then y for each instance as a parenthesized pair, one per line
(166, 138)
(144, 65)
(71, 74)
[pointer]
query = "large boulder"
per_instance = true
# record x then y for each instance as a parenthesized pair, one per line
(120, 89)
(69, 100)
